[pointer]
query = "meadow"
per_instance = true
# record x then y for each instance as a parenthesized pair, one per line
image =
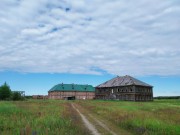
(52, 117)
(160, 117)
(39, 117)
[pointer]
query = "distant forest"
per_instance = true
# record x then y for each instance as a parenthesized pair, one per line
(167, 97)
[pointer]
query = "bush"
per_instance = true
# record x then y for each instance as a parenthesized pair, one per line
(16, 96)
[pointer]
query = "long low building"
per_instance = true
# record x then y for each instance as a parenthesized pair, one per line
(71, 92)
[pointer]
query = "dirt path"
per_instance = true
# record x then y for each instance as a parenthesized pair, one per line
(102, 125)
(92, 123)
(97, 125)
(87, 123)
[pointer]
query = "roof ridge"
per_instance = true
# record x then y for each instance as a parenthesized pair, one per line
(72, 87)
(123, 81)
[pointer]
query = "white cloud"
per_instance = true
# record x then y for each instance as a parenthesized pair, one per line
(90, 37)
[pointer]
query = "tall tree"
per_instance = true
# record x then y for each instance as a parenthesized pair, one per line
(5, 91)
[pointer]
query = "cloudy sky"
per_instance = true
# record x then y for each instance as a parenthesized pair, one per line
(92, 37)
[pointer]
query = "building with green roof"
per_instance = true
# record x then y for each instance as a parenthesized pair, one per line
(71, 91)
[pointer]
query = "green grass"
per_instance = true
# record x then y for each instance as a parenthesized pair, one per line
(42, 117)
(161, 117)
(49, 117)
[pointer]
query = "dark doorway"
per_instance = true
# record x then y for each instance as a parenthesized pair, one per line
(70, 98)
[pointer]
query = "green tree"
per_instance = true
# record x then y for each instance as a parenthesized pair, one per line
(5, 92)
(17, 96)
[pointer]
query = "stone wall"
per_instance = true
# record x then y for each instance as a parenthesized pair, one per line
(64, 95)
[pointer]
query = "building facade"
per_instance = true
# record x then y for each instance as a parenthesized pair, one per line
(39, 97)
(124, 88)
(71, 92)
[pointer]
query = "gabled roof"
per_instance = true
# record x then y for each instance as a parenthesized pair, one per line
(72, 87)
(123, 81)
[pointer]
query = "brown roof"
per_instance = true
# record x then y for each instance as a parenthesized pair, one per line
(123, 81)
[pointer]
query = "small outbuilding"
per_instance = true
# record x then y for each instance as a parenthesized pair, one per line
(71, 92)
(124, 88)
(39, 97)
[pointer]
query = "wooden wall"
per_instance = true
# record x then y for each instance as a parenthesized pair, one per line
(130, 93)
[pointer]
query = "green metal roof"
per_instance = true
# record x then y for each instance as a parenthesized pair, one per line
(72, 87)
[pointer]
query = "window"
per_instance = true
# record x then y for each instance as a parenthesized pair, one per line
(117, 90)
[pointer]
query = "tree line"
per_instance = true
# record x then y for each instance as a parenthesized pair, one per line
(7, 94)
(167, 97)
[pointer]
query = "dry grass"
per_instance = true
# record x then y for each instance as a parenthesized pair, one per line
(43, 117)
(38, 117)
(152, 118)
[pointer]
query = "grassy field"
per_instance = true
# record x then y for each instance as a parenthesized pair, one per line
(161, 117)
(39, 117)
(49, 117)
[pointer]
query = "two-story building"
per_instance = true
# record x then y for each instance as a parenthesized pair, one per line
(125, 88)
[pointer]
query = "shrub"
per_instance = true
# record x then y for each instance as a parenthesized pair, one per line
(16, 96)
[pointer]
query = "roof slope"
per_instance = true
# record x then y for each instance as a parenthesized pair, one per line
(123, 81)
(72, 87)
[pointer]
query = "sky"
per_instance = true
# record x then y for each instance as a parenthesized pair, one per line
(44, 42)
